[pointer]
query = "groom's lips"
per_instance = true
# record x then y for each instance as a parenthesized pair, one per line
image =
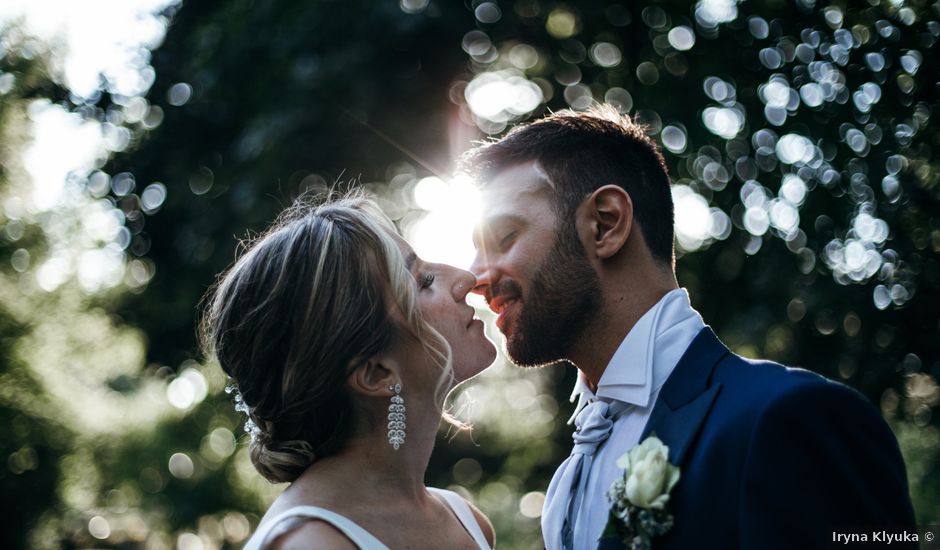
(498, 303)
(501, 306)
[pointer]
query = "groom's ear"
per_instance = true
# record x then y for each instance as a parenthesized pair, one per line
(609, 216)
(372, 378)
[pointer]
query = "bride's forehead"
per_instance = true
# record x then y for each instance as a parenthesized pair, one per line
(407, 252)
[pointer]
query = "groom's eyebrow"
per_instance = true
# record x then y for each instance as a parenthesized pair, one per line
(410, 260)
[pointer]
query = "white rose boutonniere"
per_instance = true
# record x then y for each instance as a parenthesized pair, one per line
(638, 499)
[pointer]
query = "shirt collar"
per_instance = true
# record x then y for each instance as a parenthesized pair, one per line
(630, 376)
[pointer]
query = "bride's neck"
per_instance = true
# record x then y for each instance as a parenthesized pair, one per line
(370, 465)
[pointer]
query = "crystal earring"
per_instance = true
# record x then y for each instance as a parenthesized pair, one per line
(396, 418)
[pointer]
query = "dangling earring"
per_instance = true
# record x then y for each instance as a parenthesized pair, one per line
(396, 418)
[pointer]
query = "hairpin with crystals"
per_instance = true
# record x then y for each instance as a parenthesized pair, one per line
(250, 427)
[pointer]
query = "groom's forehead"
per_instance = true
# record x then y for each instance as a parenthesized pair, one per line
(516, 185)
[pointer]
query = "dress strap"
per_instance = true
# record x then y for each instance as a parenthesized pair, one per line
(463, 512)
(359, 536)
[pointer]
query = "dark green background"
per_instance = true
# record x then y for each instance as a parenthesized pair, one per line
(292, 94)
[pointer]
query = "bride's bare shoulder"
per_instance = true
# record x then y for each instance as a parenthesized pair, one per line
(485, 525)
(313, 534)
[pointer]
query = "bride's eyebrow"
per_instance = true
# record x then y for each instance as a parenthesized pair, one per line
(410, 261)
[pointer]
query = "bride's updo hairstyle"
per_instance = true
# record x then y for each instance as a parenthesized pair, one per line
(308, 301)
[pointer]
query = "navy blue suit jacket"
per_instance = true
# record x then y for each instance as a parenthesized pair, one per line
(772, 457)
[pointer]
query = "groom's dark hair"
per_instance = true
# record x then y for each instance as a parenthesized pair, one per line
(583, 151)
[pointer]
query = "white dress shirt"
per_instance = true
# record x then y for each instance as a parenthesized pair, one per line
(633, 377)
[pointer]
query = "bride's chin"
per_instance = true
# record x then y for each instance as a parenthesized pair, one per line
(463, 376)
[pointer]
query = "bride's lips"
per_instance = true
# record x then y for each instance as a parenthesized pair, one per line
(474, 320)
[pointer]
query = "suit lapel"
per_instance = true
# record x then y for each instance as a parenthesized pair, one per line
(686, 398)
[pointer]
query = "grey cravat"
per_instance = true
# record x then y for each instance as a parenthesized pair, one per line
(594, 424)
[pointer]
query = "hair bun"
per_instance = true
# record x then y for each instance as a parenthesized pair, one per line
(280, 462)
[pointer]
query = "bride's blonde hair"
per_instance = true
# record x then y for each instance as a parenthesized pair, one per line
(304, 304)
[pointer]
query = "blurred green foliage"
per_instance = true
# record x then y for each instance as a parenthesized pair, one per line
(121, 437)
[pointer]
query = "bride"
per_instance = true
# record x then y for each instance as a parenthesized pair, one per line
(342, 345)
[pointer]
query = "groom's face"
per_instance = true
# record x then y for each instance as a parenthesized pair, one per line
(532, 269)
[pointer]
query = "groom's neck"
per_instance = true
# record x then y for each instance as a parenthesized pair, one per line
(622, 305)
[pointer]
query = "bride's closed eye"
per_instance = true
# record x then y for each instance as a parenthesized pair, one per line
(425, 281)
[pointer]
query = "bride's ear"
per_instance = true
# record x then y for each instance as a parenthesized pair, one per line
(372, 378)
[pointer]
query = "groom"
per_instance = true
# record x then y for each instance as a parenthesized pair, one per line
(575, 255)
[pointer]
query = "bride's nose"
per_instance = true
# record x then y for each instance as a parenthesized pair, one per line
(464, 281)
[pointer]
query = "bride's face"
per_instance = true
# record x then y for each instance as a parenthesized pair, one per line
(442, 294)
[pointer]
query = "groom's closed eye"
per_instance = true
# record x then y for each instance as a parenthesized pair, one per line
(507, 240)
(497, 231)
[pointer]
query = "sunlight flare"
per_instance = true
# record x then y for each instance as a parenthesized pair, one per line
(444, 233)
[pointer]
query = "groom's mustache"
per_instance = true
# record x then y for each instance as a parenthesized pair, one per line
(504, 290)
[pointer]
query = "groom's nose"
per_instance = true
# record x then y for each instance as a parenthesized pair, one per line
(481, 270)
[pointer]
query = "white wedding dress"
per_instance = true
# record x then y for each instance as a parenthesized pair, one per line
(359, 536)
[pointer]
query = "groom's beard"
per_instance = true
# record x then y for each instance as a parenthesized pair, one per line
(562, 301)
